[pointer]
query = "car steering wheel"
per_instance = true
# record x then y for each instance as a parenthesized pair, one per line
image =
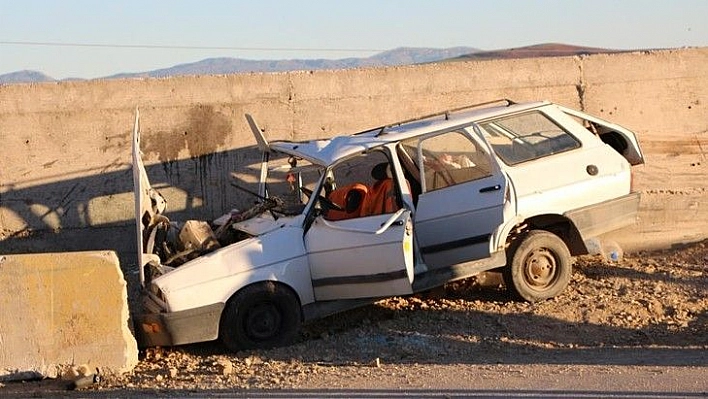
(329, 204)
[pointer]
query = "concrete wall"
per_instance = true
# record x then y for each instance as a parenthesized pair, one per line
(66, 158)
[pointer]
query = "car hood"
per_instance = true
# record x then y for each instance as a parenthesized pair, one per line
(148, 202)
(141, 187)
(210, 278)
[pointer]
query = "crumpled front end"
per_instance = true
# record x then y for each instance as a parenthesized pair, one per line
(158, 328)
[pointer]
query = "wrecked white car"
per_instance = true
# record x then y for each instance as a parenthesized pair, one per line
(390, 211)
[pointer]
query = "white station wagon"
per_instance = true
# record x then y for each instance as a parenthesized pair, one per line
(395, 210)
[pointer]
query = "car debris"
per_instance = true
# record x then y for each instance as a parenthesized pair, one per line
(394, 210)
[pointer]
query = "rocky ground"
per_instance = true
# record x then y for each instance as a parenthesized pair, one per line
(649, 309)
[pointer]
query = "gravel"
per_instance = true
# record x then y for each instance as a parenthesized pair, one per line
(647, 309)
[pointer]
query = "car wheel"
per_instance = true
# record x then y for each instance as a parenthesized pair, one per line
(260, 316)
(540, 266)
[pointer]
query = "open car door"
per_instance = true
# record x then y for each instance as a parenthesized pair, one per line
(364, 249)
(364, 257)
(621, 139)
(462, 198)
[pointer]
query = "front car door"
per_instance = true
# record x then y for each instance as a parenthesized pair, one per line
(364, 249)
(462, 196)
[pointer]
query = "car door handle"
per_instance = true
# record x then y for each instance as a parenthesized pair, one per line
(393, 220)
(396, 223)
(495, 187)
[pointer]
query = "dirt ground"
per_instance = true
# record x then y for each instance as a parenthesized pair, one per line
(648, 312)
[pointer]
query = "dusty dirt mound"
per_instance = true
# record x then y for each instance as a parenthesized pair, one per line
(649, 309)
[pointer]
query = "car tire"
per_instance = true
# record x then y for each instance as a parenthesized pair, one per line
(260, 316)
(540, 266)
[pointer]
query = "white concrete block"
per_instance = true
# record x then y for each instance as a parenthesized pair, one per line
(63, 309)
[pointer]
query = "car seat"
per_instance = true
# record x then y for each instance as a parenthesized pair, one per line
(351, 197)
(382, 195)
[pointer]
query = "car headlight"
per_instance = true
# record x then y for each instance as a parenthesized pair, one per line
(157, 296)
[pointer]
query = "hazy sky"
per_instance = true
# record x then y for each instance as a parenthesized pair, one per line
(268, 29)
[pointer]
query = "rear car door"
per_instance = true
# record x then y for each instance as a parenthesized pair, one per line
(462, 196)
(556, 164)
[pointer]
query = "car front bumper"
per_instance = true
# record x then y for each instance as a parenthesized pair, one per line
(177, 328)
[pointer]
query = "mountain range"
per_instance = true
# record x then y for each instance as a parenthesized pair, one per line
(398, 56)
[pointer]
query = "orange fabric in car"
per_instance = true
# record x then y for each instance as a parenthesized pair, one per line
(351, 197)
(381, 198)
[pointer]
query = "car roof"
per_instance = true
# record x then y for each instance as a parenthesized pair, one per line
(327, 151)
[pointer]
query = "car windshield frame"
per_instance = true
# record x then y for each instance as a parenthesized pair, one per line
(283, 176)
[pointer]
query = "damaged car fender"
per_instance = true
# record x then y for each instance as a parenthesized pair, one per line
(277, 256)
(188, 304)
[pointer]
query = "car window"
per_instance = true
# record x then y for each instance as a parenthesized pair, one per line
(448, 159)
(287, 175)
(362, 186)
(527, 136)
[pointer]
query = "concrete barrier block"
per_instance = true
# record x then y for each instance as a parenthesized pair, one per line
(63, 309)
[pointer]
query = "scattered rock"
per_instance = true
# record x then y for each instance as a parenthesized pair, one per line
(85, 381)
(252, 360)
(656, 308)
(648, 300)
(226, 367)
(70, 373)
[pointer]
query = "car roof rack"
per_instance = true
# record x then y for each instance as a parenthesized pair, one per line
(446, 113)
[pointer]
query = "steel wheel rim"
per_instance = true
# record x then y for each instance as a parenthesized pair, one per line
(263, 321)
(540, 268)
